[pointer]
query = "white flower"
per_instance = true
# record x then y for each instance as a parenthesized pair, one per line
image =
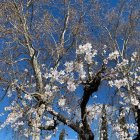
(55, 74)
(94, 52)
(8, 108)
(42, 106)
(82, 75)
(88, 58)
(9, 93)
(123, 63)
(105, 61)
(79, 66)
(80, 70)
(138, 88)
(105, 46)
(41, 109)
(120, 83)
(28, 97)
(93, 111)
(47, 75)
(24, 103)
(48, 137)
(26, 70)
(134, 100)
(47, 95)
(104, 51)
(69, 66)
(134, 56)
(139, 106)
(111, 83)
(80, 50)
(50, 122)
(132, 59)
(47, 88)
(71, 86)
(95, 96)
(87, 47)
(55, 88)
(122, 94)
(62, 72)
(62, 102)
(84, 49)
(113, 55)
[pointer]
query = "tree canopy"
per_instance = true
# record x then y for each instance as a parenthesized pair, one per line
(71, 63)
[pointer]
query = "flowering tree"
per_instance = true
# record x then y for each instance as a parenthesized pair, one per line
(51, 81)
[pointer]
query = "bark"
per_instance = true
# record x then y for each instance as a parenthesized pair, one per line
(89, 89)
(36, 67)
(84, 135)
(62, 135)
(64, 120)
(138, 123)
(87, 136)
(123, 123)
(103, 131)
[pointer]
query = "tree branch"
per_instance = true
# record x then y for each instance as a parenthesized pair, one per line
(67, 122)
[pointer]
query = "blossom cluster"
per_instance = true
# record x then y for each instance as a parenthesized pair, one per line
(114, 55)
(89, 52)
(119, 83)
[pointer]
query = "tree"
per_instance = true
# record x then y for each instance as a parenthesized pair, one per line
(104, 131)
(50, 71)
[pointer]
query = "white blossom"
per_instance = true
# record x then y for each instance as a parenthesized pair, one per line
(84, 48)
(138, 88)
(110, 83)
(134, 100)
(48, 137)
(134, 56)
(69, 66)
(114, 55)
(28, 97)
(120, 83)
(71, 86)
(88, 58)
(62, 102)
(26, 70)
(47, 88)
(50, 122)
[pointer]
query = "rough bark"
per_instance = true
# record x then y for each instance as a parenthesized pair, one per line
(103, 129)
(89, 89)
(138, 123)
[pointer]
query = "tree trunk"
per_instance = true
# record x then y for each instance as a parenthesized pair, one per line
(104, 129)
(138, 123)
(87, 136)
